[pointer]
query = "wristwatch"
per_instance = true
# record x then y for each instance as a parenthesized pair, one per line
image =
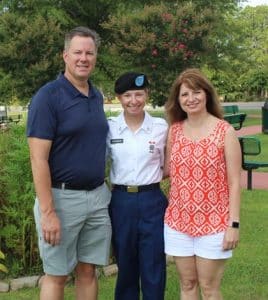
(234, 224)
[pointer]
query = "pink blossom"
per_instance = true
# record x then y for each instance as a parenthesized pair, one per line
(189, 54)
(154, 52)
(181, 46)
(167, 17)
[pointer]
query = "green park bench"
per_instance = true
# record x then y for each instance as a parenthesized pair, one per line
(230, 109)
(250, 146)
(233, 116)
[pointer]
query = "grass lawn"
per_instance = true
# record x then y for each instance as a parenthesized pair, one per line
(253, 117)
(264, 146)
(252, 120)
(246, 275)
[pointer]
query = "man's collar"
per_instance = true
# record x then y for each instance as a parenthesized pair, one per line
(72, 89)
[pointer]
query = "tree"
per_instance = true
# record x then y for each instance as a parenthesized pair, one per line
(146, 35)
(31, 42)
(242, 72)
(255, 32)
(161, 40)
(30, 50)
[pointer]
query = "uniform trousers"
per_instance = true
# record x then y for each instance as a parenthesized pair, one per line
(138, 243)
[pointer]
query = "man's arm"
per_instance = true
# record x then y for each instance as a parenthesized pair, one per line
(39, 153)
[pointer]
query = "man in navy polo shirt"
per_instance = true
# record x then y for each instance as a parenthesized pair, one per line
(67, 131)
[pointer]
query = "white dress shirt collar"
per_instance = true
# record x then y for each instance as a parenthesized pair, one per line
(147, 124)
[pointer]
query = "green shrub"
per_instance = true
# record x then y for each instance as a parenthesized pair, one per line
(17, 231)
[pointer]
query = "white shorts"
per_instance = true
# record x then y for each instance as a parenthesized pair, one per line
(208, 246)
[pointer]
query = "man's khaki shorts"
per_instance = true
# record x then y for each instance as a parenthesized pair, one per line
(85, 230)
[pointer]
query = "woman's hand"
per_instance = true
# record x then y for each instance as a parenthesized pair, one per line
(231, 238)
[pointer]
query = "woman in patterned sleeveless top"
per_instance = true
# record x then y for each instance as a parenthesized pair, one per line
(203, 160)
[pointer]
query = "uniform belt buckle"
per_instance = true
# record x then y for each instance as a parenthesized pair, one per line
(132, 189)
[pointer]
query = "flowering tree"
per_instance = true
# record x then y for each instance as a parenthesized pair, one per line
(161, 41)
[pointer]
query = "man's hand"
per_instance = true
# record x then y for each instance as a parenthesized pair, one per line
(51, 228)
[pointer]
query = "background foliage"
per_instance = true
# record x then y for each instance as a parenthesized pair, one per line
(159, 37)
(17, 230)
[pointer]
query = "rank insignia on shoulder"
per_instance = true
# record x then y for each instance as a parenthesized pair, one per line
(116, 141)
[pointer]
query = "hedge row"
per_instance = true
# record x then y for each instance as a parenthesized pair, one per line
(17, 229)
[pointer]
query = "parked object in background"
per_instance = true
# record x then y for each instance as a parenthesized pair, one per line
(6, 118)
(3, 116)
(265, 117)
(10, 119)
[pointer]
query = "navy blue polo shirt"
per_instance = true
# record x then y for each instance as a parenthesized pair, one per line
(76, 125)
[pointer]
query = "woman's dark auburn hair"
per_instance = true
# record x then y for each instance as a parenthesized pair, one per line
(194, 79)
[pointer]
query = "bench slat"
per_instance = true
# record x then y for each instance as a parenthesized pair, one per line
(236, 120)
(230, 109)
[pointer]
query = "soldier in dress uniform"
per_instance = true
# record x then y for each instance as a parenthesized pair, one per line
(136, 144)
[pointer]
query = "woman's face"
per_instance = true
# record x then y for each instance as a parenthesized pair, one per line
(192, 101)
(133, 101)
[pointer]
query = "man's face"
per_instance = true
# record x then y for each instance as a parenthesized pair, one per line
(80, 58)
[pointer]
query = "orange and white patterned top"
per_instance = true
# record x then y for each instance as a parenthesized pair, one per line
(199, 195)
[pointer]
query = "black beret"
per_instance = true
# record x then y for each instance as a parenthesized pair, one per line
(130, 81)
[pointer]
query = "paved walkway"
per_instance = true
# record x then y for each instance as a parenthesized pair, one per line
(249, 130)
(259, 179)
